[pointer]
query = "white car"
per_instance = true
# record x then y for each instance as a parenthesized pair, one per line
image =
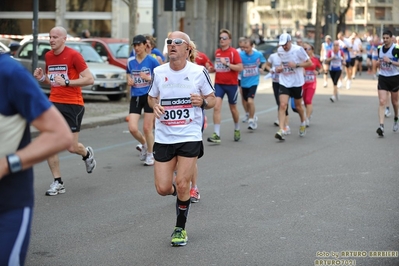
(109, 80)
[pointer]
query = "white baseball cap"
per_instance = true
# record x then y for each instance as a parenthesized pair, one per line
(284, 38)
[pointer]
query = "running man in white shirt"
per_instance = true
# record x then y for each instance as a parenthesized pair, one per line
(388, 79)
(178, 94)
(272, 62)
(293, 59)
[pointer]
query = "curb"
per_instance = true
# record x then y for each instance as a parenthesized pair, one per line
(92, 122)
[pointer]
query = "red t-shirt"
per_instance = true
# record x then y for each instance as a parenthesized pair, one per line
(224, 75)
(69, 64)
(310, 76)
(201, 59)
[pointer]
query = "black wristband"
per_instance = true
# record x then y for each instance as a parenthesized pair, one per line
(204, 104)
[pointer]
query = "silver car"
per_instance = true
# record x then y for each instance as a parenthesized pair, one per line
(109, 80)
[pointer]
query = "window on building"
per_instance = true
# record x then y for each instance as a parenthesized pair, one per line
(359, 13)
(25, 5)
(382, 13)
(89, 5)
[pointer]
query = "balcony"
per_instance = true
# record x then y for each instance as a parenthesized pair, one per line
(384, 3)
(379, 18)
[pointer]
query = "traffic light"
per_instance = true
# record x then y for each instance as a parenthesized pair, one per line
(273, 4)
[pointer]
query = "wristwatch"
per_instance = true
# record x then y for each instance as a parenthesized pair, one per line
(228, 64)
(14, 163)
(67, 82)
(204, 104)
(297, 65)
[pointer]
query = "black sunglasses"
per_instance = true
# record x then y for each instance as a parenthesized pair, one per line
(223, 38)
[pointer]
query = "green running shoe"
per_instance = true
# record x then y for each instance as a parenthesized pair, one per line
(215, 138)
(237, 135)
(302, 131)
(179, 237)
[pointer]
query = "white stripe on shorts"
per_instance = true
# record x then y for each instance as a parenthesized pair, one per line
(16, 250)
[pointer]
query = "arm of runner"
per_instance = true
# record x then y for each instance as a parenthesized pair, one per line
(211, 100)
(41, 76)
(86, 78)
(395, 53)
(153, 102)
(53, 130)
(322, 53)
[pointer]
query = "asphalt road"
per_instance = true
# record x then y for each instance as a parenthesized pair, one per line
(263, 202)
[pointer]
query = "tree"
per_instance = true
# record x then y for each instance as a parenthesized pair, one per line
(132, 4)
(318, 28)
(341, 26)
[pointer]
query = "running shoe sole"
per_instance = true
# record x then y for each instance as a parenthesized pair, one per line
(213, 140)
(55, 193)
(194, 200)
(279, 137)
(380, 132)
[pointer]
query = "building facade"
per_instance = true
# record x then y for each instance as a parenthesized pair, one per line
(201, 19)
(367, 17)
(373, 16)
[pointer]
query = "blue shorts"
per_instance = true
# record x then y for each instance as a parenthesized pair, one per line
(230, 90)
(14, 235)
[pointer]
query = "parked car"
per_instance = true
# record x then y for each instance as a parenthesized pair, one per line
(11, 44)
(4, 48)
(109, 80)
(266, 49)
(115, 51)
(45, 36)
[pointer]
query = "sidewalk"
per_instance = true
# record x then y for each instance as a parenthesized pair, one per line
(364, 85)
(92, 122)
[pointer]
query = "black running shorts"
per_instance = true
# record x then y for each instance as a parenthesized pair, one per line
(137, 103)
(388, 83)
(72, 113)
(294, 92)
(166, 152)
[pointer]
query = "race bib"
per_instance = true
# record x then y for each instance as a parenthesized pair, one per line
(57, 70)
(309, 76)
(287, 70)
(384, 65)
(138, 81)
(178, 111)
(219, 67)
(250, 71)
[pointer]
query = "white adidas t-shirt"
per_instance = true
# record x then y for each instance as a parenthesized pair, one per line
(181, 122)
(292, 77)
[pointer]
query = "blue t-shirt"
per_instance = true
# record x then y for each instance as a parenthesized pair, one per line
(21, 102)
(156, 52)
(251, 64)
(134, 68)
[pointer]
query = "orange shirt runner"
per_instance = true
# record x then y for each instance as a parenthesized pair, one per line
(68, 64)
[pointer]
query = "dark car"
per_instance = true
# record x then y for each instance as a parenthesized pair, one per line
(115, 51)
(266, 49)
(109, 80)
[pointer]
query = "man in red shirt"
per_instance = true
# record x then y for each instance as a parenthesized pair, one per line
(227, 66)
(203, 60)
(66, 71)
